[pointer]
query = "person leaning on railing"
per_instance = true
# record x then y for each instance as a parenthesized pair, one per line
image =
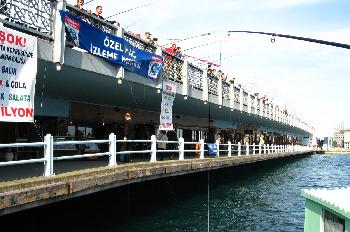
(79, 5)
(98, 14)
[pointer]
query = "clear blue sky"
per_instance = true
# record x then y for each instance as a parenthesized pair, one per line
(311, 80)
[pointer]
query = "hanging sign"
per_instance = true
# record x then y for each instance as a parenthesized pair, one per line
(18, 68)
(111, 48)
(166, 114)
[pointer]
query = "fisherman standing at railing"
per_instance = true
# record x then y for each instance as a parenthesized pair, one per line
(79, 5)
(98, 14)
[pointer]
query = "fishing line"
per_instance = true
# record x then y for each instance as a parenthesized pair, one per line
(207, 44)
(131, 9)
(192, 37)
(88, 2)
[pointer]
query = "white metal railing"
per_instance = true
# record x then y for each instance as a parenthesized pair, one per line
(179, 147)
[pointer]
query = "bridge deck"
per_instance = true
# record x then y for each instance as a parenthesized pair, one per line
(33, 192)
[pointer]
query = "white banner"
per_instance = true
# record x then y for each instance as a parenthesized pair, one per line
(18, 68)
(166, 115)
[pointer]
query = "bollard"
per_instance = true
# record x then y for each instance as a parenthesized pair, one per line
(229, 149)
(181, 148)
(201, 156)
(48, 151)
(112, 150)
(153, 149)
(239, 149)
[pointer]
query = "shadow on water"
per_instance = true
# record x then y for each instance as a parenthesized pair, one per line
(245, 198)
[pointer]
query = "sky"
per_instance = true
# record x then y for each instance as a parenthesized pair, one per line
(310, 80)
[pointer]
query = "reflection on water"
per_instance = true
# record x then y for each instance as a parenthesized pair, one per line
(262, 197)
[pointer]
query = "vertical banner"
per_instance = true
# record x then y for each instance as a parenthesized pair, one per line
(18, 68)
(166, 114)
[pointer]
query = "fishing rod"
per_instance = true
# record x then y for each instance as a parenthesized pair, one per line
(131, 9)
(324, 42)
(193, 37)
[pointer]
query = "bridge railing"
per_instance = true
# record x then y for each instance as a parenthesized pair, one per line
(33, 16)
(39, 17)
(180, 150)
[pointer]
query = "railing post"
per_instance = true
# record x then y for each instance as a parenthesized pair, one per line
(205, 86)
(201, 156)
(229, 149)
(217, 142)
(239, 149)
(112, 150)
(254, 149)
(48, 151)
(246, 148)
(181, 148)
(264, 148)
(259, 149)
(153, 149)
(185, 78)
(267, 148)
(59, 43)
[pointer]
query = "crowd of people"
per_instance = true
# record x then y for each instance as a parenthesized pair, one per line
(97, 14)
(173, 50)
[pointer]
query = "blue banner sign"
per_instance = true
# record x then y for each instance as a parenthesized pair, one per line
(212, 149)
(112, 48)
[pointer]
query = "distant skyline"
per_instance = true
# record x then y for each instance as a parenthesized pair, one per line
(311, 80)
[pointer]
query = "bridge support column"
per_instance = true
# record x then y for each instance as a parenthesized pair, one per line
(232, 96)
(229, 149)
(48, 152)
(153, 149)
(239, 149)
(112, 150)
(220, 101)
(241, 99)
(201, 156)
(205, 86)
(249, 103)
(59, 43)
(182, 148)
(185, 79)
